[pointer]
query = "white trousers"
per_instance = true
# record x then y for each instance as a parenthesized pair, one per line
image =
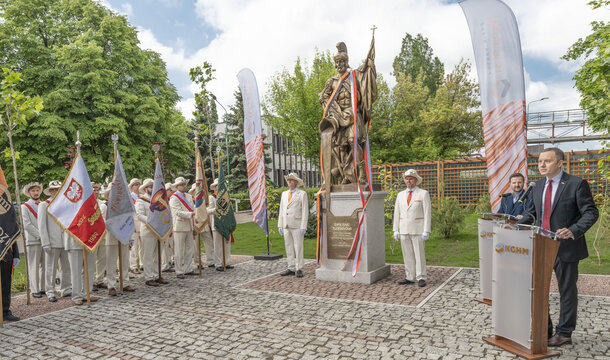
(51, 259)
(414, 256)
(150, 258)
(136, 251)
(181, 241)
(166, 253)
(36, 268)
(293, 241)
(100, 263)
(112, 265)
(76, 258)
(218, 244)
(190, 255)
(208, 244)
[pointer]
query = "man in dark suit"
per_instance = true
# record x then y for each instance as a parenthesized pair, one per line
(510, 204)
(10, 261)
(564, 204)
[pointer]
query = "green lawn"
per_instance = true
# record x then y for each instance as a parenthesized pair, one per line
(461, 250)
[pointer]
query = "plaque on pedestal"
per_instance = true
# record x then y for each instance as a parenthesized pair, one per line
(339, 227)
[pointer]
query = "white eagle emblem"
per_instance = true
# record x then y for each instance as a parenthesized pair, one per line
(74, 192)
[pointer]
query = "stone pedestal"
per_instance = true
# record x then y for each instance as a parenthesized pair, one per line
(339, 227)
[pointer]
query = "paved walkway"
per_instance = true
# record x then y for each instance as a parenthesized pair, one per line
(238, 315)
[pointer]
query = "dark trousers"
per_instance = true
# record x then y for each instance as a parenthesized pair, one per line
(6, 268)
(567, 275)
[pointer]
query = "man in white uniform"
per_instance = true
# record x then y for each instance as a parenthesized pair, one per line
(148, 238)
(181, 205)
(29, 211)
(167, 248)
(292, 223)
(52, 239)
(208, 230)
(100, 251)
(412, 222)
(135, 250)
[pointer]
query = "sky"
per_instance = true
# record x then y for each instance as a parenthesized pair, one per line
(267, 36)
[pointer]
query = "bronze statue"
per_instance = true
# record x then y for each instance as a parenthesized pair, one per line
(337, 126)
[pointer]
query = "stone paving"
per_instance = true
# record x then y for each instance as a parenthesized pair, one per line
(219, 316)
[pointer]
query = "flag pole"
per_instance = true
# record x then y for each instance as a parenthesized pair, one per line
(156, 149)
(1, 300)
(224, 262)
(197, 156)
(115, 140)
(85, 263)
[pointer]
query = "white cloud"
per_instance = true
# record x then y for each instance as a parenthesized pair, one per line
(126, 9)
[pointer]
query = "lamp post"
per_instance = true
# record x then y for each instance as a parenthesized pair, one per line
(528, 107)
(226, 131)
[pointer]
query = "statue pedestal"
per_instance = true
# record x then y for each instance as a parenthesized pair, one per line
(339, 226)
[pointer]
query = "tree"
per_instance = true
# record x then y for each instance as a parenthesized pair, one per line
(593, 78)
(292, 107)
(87, 66)
(234, 120)
(416, 57)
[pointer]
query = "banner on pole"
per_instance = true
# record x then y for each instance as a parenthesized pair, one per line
(159, 218)
(75, 207)
(255, 154)
(201, 198)
(9, 227)
(224, 220)
(119, 216)
(497, 53)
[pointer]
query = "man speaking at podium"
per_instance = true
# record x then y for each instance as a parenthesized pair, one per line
(564, 204)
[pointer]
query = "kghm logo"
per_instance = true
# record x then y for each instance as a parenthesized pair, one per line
(500, 248)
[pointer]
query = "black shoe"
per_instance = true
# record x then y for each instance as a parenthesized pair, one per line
(211, 265)
(52, 299)
(287, 273)
(10, 317)
(230, 267)
(220, 268)
(405, 282)
(299, 273)
(36, 295)
(152, 283)
(421, 283)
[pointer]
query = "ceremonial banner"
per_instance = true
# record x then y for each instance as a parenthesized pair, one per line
(9, 227)
(255, 156)
(497, 52)
(159, 217)
(75, 207)
(119, 216)
(201, 198)
(224, 220)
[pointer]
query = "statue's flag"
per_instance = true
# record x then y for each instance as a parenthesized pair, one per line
(9, 227)
(119, 216)
(497, 52)
(224, 220)
(75, 207)
(255, 155)
(201, 198)
(159, 217)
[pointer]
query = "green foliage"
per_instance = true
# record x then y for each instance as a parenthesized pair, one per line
(15, 106)
(448, 218)
(292, 107)
(415, 59)
(385, 177)
(593, 78)
(86, 64)
(483, 204)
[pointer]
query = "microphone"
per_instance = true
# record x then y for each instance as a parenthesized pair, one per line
(505, 195)
(527, 192)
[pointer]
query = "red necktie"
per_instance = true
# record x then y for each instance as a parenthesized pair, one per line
(409, 197)
(546, 212)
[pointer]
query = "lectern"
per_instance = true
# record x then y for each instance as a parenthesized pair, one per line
(486, 222)
(523, 259)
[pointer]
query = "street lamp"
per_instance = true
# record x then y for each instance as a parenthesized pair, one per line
(528, 106)
(226, 129)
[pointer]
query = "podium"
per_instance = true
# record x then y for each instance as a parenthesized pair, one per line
(486, 222)
(523, 260)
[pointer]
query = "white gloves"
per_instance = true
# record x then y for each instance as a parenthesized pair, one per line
(425, 236)
(280, 230)
(46, 248)
(302, 232)
(396, 235)
(15, 262)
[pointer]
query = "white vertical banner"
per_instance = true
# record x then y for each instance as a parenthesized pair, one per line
(511, 309)
(486, 250)
(497, 53)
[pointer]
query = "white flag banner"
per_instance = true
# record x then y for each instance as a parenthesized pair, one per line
(497, 52)
(75, 207)
(119, 216)
(159, 217)
(201, 198)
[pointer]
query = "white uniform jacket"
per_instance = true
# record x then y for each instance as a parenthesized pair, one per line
(135, 219)
(30, 222)
(211, 212)
(142, 209)
(51, 233)
(414, 218)
(293, 213)
(182, 216)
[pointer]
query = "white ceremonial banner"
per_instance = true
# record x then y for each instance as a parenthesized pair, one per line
(511, 308)
(120, 213)
(486, 250)
(497, 53)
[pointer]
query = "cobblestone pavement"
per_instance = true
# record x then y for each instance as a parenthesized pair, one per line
(218, 317)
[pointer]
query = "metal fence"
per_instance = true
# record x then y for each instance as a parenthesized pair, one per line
(466, 179)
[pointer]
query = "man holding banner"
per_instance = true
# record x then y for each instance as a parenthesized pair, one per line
(149, 241)
(182, 209)
(9, 253)
(135, 249)
(209, 233)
